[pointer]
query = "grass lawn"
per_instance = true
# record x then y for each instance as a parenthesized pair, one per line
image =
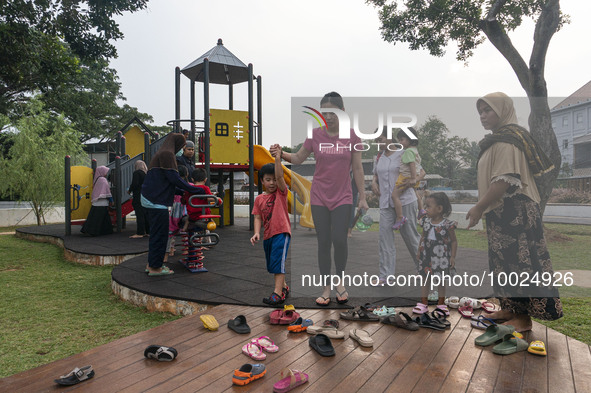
(52, 308)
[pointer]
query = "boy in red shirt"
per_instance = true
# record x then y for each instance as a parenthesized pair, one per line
(270, 211)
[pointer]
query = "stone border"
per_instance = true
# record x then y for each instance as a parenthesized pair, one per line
(155, 303)
(78, 257)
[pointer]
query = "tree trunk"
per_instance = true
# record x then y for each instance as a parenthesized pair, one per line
(531, 78)
(37, 212)
(540, 125)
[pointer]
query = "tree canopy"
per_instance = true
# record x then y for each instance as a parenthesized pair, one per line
(433, 24)
(33, 170)
(60, 50)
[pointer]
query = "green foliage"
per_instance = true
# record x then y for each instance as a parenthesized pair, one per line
(432, 24)
(34, 167)
(444, 155)
(32, 61)
(89, 100)
(161, 130)
(60, 50)
(86, 26)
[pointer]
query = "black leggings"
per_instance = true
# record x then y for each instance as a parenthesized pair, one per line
(331, 230)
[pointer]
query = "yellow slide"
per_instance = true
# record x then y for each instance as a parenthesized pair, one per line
(295, 182)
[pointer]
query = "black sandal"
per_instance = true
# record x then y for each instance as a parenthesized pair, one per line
(401, 320)
(361, 315)
(439, 316)
(341, 294)
(75, 376)
(425, 321)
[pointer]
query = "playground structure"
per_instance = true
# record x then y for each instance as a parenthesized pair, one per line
(227, 141)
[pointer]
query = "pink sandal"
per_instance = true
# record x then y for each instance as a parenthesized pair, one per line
(289, 317)
(466, 311)
(266, 344)
(443, 308)
(254, 351)
(275, 317)
(294, 379)
(490, 307)
(420, 309)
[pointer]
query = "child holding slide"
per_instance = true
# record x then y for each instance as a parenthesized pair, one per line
(270, 213)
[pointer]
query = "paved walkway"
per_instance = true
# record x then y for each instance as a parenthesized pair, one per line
(567, 220)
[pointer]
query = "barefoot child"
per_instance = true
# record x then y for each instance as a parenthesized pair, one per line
(270, 212)
(438, 245)
(409, 170)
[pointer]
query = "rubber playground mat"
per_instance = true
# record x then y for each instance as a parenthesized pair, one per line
(238, 275)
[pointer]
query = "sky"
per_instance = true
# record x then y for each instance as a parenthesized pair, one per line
(308, 48)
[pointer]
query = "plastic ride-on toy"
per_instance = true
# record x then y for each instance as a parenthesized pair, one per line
(197, 237)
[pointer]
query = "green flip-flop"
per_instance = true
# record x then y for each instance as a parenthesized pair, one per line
(493, 334)
(164, 272)
(510, 344)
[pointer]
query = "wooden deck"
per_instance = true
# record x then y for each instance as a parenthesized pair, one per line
(400, 361)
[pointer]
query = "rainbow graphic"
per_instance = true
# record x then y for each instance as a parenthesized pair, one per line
(316, 117)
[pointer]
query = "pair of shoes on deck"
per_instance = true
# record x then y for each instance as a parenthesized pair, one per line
(290, 379)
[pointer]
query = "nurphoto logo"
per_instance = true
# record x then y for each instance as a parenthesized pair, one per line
(392, 122)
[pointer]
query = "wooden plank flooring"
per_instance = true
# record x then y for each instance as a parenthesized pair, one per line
(400, 361)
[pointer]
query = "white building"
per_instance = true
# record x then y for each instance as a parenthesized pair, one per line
(571, 121)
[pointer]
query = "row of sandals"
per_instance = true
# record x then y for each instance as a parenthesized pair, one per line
(508, 341)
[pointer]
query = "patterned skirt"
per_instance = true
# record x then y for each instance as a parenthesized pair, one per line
(519, 259)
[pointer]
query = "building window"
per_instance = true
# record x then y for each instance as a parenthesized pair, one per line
(565, 121)
(565, 143)
(579, 118)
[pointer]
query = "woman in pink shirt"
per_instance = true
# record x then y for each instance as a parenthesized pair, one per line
(331, 196)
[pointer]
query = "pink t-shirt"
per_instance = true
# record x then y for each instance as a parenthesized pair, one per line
(273, 210)
(331, 186)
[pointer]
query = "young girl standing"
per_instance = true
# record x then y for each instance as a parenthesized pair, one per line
(438, 245)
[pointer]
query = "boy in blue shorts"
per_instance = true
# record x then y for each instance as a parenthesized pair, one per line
(270, 212)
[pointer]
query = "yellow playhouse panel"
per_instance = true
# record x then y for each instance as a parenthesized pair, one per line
(134, 141)
(228, 137)
(81, 176)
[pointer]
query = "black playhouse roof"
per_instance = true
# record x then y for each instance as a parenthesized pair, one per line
(224, 67)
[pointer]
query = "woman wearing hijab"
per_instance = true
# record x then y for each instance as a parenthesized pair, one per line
(509, 161)
(98, 221)
(139, 174)
(158, 193)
